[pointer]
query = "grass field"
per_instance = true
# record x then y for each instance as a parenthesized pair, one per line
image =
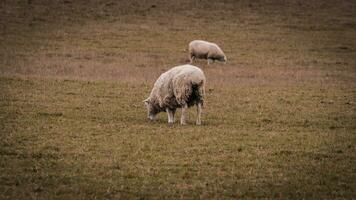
(279, 120)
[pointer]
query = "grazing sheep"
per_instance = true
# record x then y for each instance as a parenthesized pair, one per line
(205, 50)
(180, 87)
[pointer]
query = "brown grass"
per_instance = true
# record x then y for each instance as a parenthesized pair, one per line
(269, 41)
(279, 121)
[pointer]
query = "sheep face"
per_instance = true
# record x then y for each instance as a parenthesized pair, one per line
(151, 110)
(222, 59)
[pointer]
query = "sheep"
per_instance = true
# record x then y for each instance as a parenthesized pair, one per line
(205, 50)
(180, 87)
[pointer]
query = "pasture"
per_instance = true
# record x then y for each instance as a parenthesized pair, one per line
(279, 120)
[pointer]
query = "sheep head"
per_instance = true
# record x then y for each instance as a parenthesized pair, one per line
(151, 111)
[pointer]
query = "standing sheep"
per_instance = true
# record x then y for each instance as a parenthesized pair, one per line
(180, 87)
(205, 50)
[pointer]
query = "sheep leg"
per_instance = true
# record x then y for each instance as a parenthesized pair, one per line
(198, 114)
(170, 116)
(192, 58)
(184, 111)
(210, 61)
(173, 113)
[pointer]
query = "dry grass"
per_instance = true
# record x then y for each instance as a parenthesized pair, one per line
(279, 120)
(130, 41)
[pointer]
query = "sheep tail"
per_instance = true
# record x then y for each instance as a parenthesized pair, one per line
(200, 90)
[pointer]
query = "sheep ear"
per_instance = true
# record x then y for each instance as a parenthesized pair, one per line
(146, 101)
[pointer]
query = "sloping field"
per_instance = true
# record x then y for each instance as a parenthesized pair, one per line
(279, 121)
